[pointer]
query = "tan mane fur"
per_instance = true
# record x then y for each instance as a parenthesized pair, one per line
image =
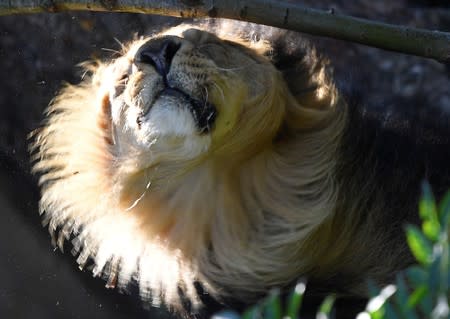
(235, 219)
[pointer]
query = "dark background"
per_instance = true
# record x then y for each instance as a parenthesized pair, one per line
(39, 52)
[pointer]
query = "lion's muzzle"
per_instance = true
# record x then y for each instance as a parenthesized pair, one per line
(159, 53)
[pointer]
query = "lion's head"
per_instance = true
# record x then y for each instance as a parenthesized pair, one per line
(193, 157)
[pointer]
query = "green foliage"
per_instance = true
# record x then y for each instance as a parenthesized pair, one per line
(421, 291)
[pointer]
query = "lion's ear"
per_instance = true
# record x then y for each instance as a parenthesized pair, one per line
(307, 74)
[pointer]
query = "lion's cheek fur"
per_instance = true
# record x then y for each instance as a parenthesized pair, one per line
(247, 122)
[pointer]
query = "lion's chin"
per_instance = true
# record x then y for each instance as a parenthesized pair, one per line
(203, 112)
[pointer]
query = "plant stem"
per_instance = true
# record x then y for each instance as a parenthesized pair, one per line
(414, 41)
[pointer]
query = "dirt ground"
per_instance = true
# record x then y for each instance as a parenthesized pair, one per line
(39, 52)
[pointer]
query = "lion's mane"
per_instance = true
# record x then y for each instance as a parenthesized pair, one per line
(274, 202)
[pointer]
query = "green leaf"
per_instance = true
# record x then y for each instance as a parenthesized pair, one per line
(427, 204)
(417, 276)
(326, 307)
(272, 309)
(390, 312)
(417, 296)
(252, 313)
(401, 295)
(419, 245)
(442, 253)
(431, 228)
(448, 273)
(434, 279)
(444, 211)
(379, 314)
(426, 304)
(295, 300)
(441, 310)
(376, 303)
(401, 298)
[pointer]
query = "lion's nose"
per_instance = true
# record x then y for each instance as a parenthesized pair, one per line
(159, 54)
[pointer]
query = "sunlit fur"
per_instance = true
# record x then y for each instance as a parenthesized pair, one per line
(236, 209)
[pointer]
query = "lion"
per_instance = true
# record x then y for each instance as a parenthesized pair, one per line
(223, 159)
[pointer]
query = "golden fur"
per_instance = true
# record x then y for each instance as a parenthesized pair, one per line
(241, 209)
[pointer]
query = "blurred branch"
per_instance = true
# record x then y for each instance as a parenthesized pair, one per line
(420, 42)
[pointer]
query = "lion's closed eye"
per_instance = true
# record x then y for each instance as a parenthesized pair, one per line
(214, 51)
